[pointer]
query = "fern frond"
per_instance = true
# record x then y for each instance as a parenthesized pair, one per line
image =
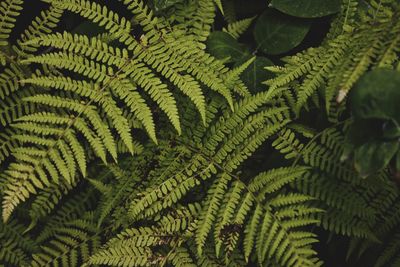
(237, 28)
(234, 152)
(227, 213)
(15, 247)
(390, 257)
(72, 243)
(287, 144)
(337, 64)
(315, 78)
(42, 24)
(181, 258)
(207, 216)
(9, 10)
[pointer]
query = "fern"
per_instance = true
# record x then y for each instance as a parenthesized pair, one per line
(16, 248)
(237, 28)
(9, 10)
(135, 147)
(114, 75)
(73, 242)
(11, 91)
(214, 208)
(337, 64)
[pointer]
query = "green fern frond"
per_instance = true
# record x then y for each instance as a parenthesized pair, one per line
(287, 144)
(48, 151)
(212, 204)
(242, 144)
(72, 244)
(336, 65)
(181, 258)
(9, 10)
(42, 24)
(237, 28)
(389, 257)
(227, 213)
(115, 194)
(15, 247)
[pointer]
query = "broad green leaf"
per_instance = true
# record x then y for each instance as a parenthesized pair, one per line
(256, 74)
(277, 33)
(223, 46)
(363, 131)
(307, 8)
(377, 95)
(374, 156)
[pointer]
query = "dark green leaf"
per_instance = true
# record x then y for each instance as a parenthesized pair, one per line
(277, 33)
(363, 131)
(374, 156)
(360, 132)
(377, 95)
(256, 74)
(307, 8)
(222, 46)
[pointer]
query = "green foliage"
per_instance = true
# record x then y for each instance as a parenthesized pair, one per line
(159, 133)
(255, 74)
(307, 8)
(114, 75)
(223, 46)
(277, 34)
(351, 48)
(237, 28)
(375, 95)
(374, 105)
(160, 5)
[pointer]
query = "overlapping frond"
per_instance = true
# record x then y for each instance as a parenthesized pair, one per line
(12, 92)
(71, 244)
(228, 142)
(16, 248)
(76, 111)
(352, 47)
(89, 110)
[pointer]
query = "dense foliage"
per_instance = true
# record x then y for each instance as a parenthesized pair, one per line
(200, 133)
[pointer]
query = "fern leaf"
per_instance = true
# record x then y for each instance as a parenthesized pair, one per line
(9, 10)
(226, 213)
(237, 28)
(207, 217)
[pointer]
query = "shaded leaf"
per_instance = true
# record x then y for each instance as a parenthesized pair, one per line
(374, 156)
(256, 74)
(377, 95)
(307, 8)
(277, 33)
(222, 46)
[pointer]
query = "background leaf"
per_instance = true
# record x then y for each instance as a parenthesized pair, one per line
(256, 74)
(222, 46)
(377, 95)
(373, 156)
(276, 33)
(307, 8)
